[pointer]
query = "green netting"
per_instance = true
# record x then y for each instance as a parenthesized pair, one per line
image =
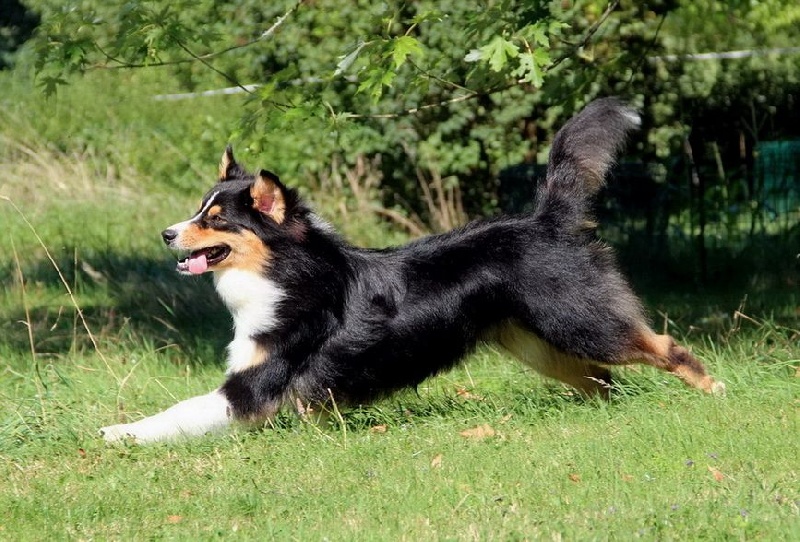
(778, 169)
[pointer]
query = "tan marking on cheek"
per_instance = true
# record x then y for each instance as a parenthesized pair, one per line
(248, 252)
(192, 238)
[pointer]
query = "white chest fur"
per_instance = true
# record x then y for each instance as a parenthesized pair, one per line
(253, 300)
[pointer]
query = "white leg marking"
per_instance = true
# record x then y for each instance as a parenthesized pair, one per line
(193, 417)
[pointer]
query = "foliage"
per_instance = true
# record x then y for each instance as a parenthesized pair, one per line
(327, 66)
(449, 90)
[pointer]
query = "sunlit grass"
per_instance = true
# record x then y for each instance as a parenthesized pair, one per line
(658, 461)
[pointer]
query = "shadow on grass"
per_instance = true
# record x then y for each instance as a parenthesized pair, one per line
(763, 278)
(123, 298)
(532, 402)
(141, 300)
(407, 408)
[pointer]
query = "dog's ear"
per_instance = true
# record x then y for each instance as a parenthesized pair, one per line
(269, 196)
(228, 168)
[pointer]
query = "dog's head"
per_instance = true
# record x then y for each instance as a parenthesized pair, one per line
(237, 222)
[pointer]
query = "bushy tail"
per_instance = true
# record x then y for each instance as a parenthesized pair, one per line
(583, 151)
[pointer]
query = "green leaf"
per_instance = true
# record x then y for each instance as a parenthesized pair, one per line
(528, 70)
(497, 52)
(377, 78)
(403, 47)
(433, 15)
(531, 66)
(554, 28)
(347, 60)
(542, 57)
(387, 79)
(537, 33)
(50, 84)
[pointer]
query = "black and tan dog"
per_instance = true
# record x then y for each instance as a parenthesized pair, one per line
(317, 319)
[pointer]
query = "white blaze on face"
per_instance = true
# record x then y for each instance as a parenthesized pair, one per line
(195, 264)
(205, 208)
(181, 226)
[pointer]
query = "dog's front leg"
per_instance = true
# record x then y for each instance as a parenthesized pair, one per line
(193, 417)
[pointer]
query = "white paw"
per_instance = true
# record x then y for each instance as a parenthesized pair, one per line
(116, 433)
(141, 432)
(718, 388)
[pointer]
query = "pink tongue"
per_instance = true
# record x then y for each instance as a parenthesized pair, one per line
(198, 264)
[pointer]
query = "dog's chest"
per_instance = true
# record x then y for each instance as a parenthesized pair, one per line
(253, 301)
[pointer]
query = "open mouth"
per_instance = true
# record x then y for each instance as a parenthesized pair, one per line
(199, 261)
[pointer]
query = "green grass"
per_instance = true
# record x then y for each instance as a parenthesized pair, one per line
(659, 461)
(646, 464)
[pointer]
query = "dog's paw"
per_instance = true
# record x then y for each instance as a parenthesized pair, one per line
(117, 433)
(718, 389)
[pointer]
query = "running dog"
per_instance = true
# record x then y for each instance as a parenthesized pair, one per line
(318, 320)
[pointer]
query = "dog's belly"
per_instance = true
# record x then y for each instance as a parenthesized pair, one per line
(584, 374)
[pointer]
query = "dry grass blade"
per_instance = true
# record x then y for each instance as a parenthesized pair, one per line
(41, 384)
(66, 285)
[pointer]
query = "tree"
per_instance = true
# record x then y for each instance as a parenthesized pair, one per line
(445, 93)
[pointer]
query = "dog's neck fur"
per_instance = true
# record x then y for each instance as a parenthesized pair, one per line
(253, 301)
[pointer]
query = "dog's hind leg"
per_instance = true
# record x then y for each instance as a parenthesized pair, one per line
(586, 376)
(663, 352)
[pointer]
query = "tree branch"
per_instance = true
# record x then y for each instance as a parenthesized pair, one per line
(465, 96)
(208, 65)
(477, 93)
(200, 58)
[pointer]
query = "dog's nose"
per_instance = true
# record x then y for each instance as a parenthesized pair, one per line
(169, 236)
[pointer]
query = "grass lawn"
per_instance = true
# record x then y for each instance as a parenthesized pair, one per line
(489, 451)
(486, 452)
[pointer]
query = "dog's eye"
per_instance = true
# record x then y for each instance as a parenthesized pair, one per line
(213, 220)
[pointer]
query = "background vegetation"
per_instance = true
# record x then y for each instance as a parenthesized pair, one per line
(395, 120)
